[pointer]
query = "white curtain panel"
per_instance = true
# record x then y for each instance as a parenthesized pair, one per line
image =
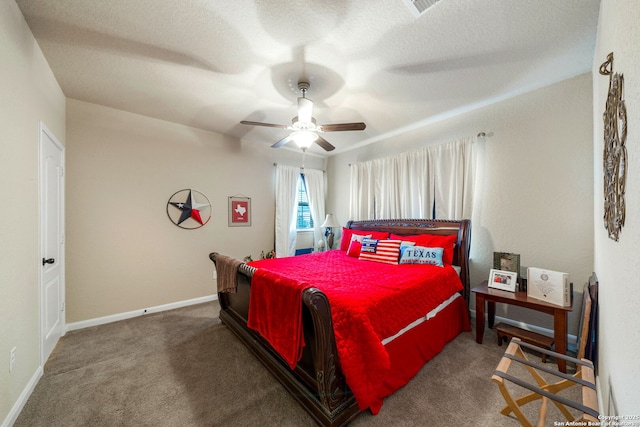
(392, 187)
(454, 167)
(287, 179)
(362, 192)
(414, 181)
(316, 190)
(406, 185)
(388, 191)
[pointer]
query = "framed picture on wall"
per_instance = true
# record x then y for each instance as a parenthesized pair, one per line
(504, 280)
(239, 211)
(507, 262)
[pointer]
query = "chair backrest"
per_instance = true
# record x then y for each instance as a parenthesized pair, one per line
(591, 350)
(586, 329)
(585, 317)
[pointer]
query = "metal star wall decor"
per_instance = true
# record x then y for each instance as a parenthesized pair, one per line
(189, 209)
(615, 151)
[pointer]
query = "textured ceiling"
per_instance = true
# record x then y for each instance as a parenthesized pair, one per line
(210, 63)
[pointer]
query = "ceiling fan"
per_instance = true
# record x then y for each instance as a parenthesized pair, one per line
(304, 127)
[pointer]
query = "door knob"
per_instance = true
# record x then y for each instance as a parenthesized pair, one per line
(48, 261)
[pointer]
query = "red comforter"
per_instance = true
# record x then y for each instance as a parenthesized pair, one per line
(369, 302)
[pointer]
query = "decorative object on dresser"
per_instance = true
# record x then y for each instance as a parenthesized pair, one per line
(326, 378)
(550, 286)
(503, 280)
(615, 152)
(507, 262)
(329, 223)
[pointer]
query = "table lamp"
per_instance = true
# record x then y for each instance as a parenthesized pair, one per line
(330, 222)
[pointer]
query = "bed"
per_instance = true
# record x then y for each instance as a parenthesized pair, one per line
(322, 372)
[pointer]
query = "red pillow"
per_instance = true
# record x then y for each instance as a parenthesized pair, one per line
(347, 233)
(448, 243)
(356, 245)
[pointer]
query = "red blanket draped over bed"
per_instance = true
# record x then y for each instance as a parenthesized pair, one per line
(281, 322)
(369, 302)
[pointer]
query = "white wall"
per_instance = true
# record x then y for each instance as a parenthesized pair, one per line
(29, 94)
(617, 263)
(123, 253)
(535, 191)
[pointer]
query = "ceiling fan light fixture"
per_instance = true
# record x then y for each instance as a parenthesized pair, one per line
(304, 139)
(303, 126)
(308, 125)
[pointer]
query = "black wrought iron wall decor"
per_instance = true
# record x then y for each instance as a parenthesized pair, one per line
(615, 151)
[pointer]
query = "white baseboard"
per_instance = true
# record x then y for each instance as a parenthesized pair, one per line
(12, 416)
(135, 313)
(571, 339)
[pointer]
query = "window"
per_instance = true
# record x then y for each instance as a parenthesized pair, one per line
(304, 220)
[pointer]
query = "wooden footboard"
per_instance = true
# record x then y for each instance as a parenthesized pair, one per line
(317, 381)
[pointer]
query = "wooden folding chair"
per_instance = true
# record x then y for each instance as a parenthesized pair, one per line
(548, 391)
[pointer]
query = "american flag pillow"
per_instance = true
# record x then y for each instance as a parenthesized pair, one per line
(385, 251)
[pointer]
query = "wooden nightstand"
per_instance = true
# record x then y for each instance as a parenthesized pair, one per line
(491, 296)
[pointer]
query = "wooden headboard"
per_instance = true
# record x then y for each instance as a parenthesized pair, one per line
(405, 227)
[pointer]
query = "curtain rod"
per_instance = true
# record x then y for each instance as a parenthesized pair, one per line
(481, 134)
(302, 168)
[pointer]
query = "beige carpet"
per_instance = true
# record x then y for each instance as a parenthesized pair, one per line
(184, 368)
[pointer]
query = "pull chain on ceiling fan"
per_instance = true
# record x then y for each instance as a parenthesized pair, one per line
(304, 127)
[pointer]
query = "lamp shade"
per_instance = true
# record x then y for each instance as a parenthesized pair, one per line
(304, 138)
(330, 221)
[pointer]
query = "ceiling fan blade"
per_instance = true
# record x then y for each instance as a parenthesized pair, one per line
(305, 110)
(282, 142)
(271, 125)
(343, 126)
(324, 144)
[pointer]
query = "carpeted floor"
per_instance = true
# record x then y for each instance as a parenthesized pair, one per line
(184, 368)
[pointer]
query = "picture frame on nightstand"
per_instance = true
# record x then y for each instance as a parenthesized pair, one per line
(506, 262)
(503, 280)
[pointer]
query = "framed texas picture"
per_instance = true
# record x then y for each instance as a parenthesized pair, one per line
(504, 280)
(239, 211)
(506, 262)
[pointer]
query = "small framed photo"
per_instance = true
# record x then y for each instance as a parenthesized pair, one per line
(239, 211)
(503, 280)
(506, 262)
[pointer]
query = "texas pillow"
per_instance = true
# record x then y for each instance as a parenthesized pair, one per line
(447, 243)
(421, 255)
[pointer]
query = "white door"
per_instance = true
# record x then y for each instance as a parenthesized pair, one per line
(52, 320)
